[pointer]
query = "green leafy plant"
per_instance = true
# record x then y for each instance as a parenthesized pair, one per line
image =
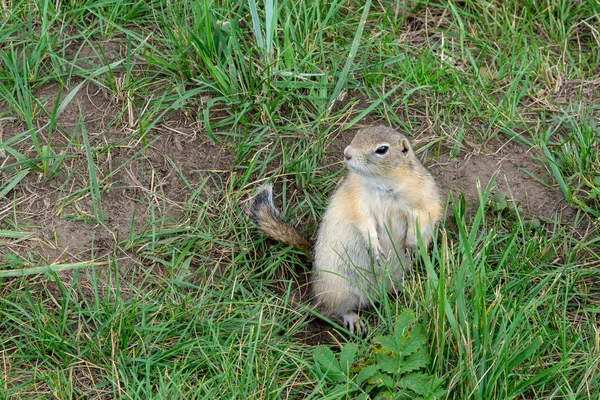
(394, 367)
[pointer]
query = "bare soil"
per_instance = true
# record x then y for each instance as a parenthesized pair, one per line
(60, 223)
(512, 165)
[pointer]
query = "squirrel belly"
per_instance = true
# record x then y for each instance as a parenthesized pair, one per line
(346, 273)
(370, 227)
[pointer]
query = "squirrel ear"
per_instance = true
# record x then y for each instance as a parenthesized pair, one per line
(404, 146)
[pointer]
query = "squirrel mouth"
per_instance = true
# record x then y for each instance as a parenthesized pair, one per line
(358, 168)
(350, 164)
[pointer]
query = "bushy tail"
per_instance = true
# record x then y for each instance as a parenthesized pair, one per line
(263, 213)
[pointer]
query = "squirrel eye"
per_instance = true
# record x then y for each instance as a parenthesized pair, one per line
(382, 149)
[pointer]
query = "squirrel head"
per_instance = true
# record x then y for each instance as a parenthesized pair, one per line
(379, 151)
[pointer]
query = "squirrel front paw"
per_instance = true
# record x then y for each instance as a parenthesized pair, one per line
(410, 252)
(377, 253)
(411, 240)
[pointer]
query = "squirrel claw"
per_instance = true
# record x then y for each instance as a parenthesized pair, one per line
(377, 254)
(353, 323)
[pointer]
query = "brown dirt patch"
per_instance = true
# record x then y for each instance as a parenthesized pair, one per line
(137, 184)
(510, 162)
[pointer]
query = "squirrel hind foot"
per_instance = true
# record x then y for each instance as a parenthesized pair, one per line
(354, 324)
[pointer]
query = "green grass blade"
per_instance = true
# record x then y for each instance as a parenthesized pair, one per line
(12, 234)
(353, 50)
(256, 24)
(48, 269)
(14, 181)
(557, 174)
(93, 178)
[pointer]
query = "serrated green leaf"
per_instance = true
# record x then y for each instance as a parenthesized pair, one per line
(324, 356)
(388, 344)
(499, 203)
(396, 343)
(339, 391)
(401, 365)
(386, 395)
(380, 380)
(387, 363)
(413, 341)
(347, 357)
(328, 364)
(417, 382)
(405, 318)
(403, 395)
(366, 373)
(422, 384)
(435, 391)
(375, 380)
(389, 381)
(414, 362)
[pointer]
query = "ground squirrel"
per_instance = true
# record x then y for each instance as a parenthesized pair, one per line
(369, 229)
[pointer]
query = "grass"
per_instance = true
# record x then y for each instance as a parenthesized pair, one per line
(131, 133)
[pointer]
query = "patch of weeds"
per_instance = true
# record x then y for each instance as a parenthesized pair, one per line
(489, 289)
(394, 367)
(509, 213)
(570, 144)
(12, 261)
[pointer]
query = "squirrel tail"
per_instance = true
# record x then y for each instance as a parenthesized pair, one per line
(263, 213)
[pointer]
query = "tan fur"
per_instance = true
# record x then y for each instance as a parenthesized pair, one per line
(262, 211)
(283, 232)
(369, 229)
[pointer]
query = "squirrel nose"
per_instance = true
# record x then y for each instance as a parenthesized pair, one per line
(347, 154)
